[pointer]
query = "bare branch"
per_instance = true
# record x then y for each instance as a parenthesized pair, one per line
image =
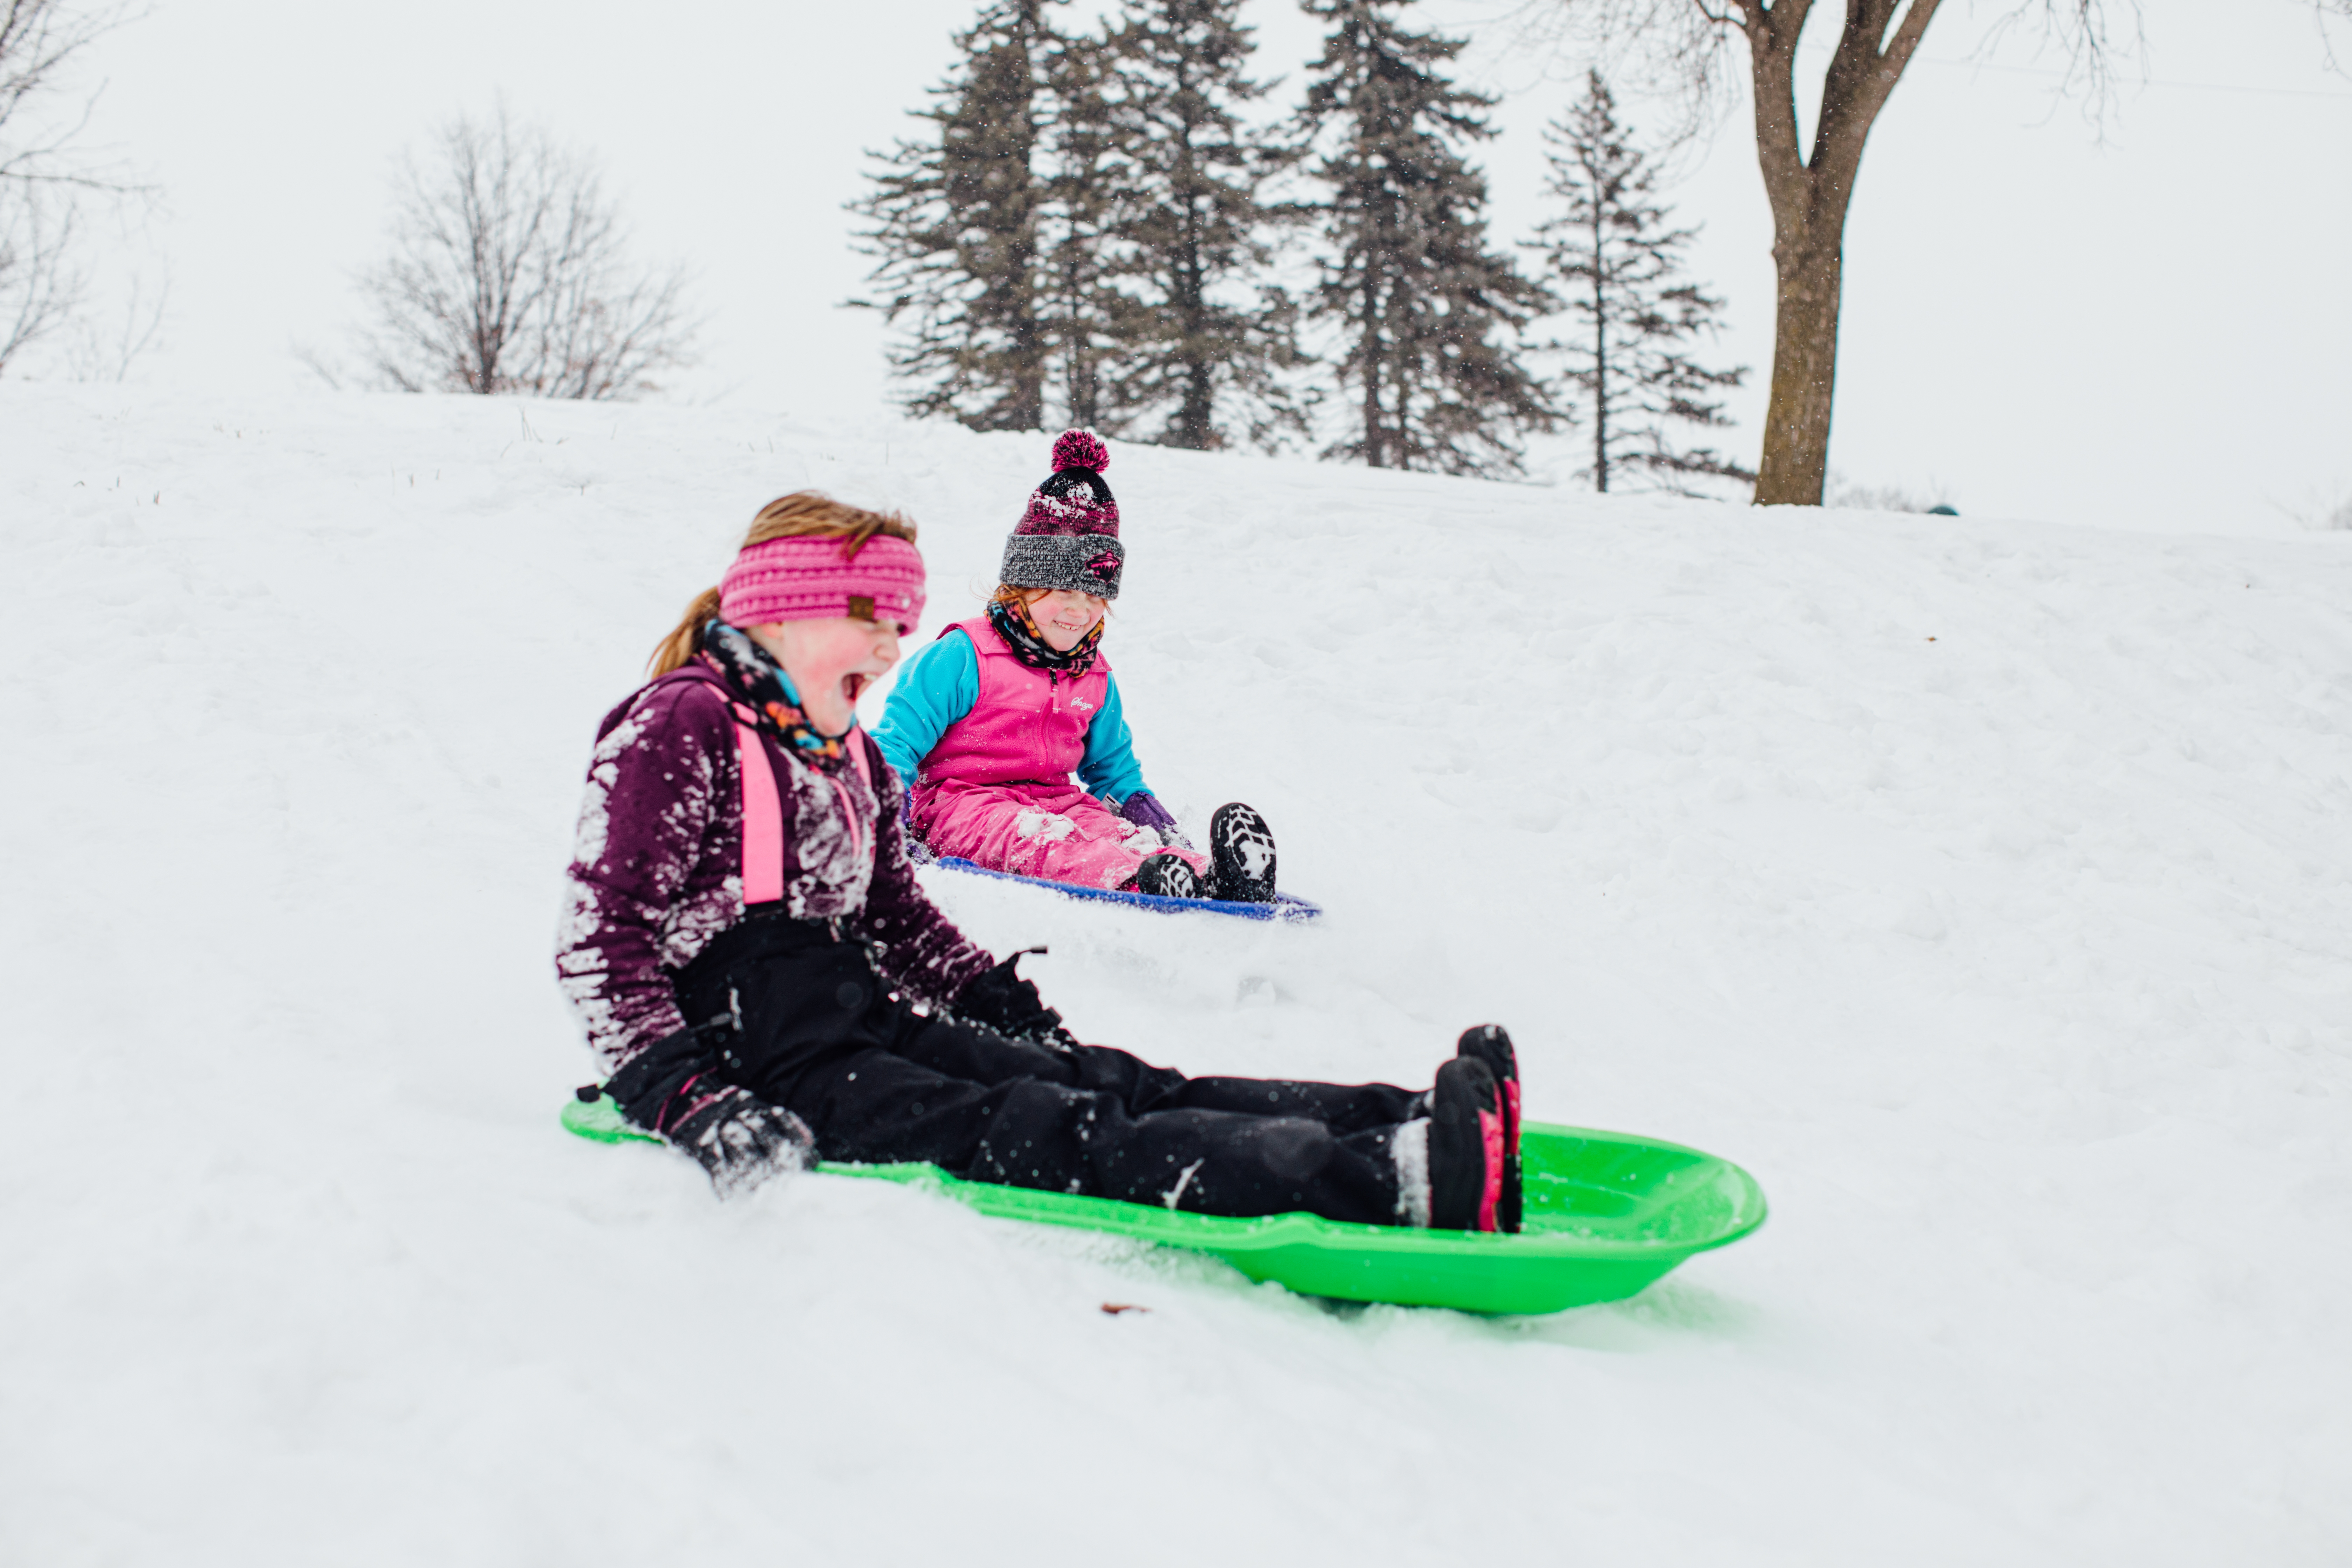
(40, 39)
(510, 272)
(322, 364)
(1905, 43)
(43, 170)
(1862, 76)
(109, 356)
(39, 285)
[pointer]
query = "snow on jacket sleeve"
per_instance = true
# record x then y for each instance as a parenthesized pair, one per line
(915, 947)
(1109, 769)
(657, 873)
(939, 686)
(633, 888)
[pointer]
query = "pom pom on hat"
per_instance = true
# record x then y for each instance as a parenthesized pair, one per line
(1068, 536)
(1080, 450)
(1075, 500)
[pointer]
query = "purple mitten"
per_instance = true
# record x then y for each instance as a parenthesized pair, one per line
(918, 852)
(1143, 809)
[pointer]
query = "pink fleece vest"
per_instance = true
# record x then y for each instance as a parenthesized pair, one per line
(1026, 723)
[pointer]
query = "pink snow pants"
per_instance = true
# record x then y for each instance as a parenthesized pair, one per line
(1058, 832)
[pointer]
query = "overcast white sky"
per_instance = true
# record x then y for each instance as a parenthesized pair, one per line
(2154, 326)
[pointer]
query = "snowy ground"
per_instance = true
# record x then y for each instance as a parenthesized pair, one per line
(1982, 887)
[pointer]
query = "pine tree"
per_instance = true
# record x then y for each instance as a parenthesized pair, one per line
(1207, 337)
(955, 224)
(1429, 314)
(1616, 268)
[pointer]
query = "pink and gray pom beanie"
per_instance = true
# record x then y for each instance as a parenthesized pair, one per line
(1068, 537)
(805, 578)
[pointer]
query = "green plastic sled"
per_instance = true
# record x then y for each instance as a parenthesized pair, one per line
(1606, 1214)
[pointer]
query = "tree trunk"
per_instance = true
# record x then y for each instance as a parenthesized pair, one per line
(1795, 464)
(1600, 357)
(1196, 423)
(1195, 414)
(1025, 403)
(1809, 200)
(1032, 344)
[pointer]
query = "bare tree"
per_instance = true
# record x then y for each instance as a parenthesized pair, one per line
(1688, 43)
(40, 287)
(510, 273)
(107, 353)
(38, 38)
(42, 172)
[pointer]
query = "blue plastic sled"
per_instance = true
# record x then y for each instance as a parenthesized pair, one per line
(1284, 905)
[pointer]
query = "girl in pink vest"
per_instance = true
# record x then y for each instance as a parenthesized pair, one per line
(988, 724)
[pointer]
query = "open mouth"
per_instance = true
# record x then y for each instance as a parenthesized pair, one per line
(852, 684)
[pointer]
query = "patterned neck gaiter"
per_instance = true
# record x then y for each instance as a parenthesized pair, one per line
(1014, 624)
(760, 683)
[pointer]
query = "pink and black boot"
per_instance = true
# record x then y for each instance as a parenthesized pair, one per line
(1466, 1147)
(1491, 1044)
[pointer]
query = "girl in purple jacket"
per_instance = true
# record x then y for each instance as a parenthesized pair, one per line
(988, 724)
(759, 970)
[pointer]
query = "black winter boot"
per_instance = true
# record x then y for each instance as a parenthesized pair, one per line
(1168, 877)
(1466, 1147)
(1491, 1044)
(1241, 849)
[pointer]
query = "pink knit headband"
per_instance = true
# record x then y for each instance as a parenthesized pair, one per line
(804, 578)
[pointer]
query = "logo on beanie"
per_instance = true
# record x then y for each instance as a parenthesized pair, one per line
(1104, 566)
(861, 607)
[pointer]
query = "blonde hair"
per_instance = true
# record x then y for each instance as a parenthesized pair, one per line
(804, 514)
(1006, 593)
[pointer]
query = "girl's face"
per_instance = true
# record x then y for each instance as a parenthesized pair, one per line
(1064, 617)
(830, 662)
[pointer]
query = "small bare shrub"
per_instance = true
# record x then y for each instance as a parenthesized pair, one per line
(510, 273)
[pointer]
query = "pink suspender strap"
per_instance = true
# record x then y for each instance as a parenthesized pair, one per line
(763, 816)
(858, 835)
(763, 810)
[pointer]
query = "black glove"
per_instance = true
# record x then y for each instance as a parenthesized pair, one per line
(672, 1088)
(1001, 1000)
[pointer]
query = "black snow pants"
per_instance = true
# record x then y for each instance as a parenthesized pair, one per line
(815, 1031)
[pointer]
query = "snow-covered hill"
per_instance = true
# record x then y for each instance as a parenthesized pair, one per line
(1983, 887)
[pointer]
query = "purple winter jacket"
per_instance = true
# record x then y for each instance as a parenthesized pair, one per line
(656, 871)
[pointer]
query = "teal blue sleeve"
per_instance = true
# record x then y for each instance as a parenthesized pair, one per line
(1109, 769)
(937, 687)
